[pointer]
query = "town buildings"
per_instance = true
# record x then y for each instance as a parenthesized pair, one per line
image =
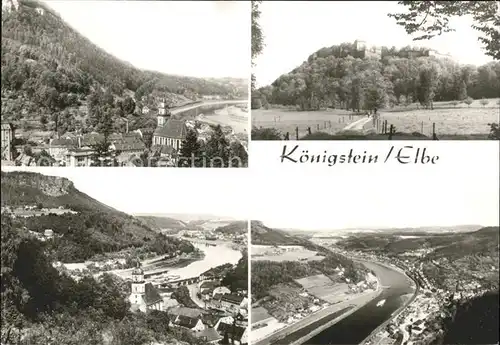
(77, 149)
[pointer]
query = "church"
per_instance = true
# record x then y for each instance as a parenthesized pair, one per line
(169, 132)
(144, 296)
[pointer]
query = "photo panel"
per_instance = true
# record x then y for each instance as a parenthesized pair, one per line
(385, 70)
(125, 83)
(378, 253)
(110, 256)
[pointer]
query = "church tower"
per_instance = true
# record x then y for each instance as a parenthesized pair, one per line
(138, 286)
(163, 114)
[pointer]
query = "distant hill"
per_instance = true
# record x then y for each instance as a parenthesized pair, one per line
(458, 244)
(160, 223)
(235, 228)
(48, 68)
(264, 235)
(95, 229)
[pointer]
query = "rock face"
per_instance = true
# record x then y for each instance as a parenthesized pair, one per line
(49, 185)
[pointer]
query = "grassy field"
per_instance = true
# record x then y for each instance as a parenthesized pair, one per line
(324, 288)
(452, 120)
(287, 120)
(284, 253)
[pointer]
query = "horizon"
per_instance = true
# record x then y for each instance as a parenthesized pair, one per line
(375, 228)
(146, 44)
(323, 24)
(105, 186)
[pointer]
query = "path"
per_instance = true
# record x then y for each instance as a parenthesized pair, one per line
(358, 125)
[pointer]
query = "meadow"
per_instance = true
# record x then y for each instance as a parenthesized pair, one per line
(450, 118)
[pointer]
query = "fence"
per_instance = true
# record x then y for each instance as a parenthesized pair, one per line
(386, 128)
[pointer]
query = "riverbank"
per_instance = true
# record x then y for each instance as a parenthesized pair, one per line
(315, 323)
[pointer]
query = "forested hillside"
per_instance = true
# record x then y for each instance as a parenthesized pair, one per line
(40, 305)
(94, 229)
(54, 76)
(342, 76)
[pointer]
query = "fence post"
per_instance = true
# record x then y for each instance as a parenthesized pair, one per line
(391, 132)
(434, 136)
(297, 133)
(422, 127)
(317, 126)
(309, 130)
(287, 136)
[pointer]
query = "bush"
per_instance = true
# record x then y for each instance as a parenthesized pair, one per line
(266, 134)
(484, 102)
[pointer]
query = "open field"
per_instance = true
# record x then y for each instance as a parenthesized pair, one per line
(324, 288)
(283, 253)
(453, 121)
(287, 120)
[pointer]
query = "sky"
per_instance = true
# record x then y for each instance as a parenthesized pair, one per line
(461, 189)
(294, 30)
(217, 192)
(191, 38)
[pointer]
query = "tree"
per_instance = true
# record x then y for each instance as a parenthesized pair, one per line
(190, 150)
(494, 131)
(217, 148)
(257, 36)
(468, 101)
(256, 103)
(431, 18)
(462, 91)
(102, 155)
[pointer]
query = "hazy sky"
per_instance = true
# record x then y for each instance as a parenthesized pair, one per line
(192, 38)
(219, 192)
(462, 189)
(294, 30)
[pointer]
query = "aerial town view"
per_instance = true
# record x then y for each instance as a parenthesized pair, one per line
(76, 270)
(407, 70)
(416, 265)
(75, 94)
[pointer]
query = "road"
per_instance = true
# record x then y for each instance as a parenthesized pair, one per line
(193, 290)
(184, 108)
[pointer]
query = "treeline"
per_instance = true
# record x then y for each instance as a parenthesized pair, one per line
(216, 152)
(48, 65)
(338, 77)
(236, 279)
(265, 273)
(40, 305)
(79, 237)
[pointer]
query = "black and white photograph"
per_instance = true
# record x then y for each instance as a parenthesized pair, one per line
(86, 260)
(374, 263)
(378, 70)
(125, 83)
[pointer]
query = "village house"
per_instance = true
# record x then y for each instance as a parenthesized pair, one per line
(220, 290)
(233, 332)
(144, 296)
(229, 302)
(169, 131)
(209, 336)
(189, 318)
(7, 138)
